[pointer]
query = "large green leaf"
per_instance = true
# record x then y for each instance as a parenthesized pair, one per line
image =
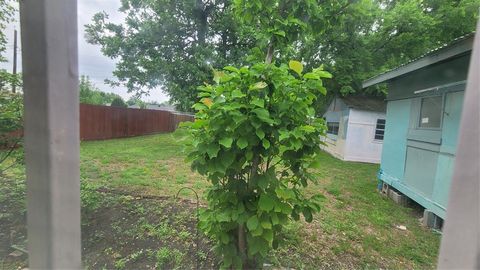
(296, 66)
(266, 203)
(280, 33)
(242, 143)
(268, 235)
(324, 74)
(311, 75)
(264, 115)
(260, 134)
(237, 94)
(275, 219)
(266, 224)
(252, 223)
(265, 144)
(227, 158)
(212, 150)
(307, 214)
(258, 102)
(226, 141)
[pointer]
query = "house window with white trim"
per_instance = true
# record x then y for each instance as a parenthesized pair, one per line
(380, 129)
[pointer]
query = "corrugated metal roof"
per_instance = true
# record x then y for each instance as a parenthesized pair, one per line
(397, 71)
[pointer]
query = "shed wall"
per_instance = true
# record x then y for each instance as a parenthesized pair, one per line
(419, 162)
(360, 142)
(394, 142)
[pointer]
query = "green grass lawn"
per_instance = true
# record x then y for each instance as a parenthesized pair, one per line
(356, 227)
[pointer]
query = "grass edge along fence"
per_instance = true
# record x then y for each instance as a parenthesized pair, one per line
(99, 122)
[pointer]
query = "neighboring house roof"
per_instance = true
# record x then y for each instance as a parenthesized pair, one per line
(153, 107)
(135, 106)
(365, 103)
(458, 46)
(167, 108)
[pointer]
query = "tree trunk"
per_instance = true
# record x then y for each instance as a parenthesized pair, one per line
(202, 20)
(269, 57)
(242, 244)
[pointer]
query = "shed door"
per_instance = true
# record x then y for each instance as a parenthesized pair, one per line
(420, 170)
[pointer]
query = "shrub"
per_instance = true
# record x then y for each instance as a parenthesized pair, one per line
(11, 124)
(118, 102)
(255, 137)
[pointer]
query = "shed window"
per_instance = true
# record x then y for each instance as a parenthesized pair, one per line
(332, 128)
(431, 112)
(380, 129)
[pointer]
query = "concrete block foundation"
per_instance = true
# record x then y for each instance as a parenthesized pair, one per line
(431, 220)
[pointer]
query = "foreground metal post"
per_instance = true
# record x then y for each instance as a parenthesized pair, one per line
(50, 77)
(460, 248)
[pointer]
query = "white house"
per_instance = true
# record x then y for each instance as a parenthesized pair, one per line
(356, 126)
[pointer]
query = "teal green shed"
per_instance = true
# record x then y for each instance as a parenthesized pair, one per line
(424, 105)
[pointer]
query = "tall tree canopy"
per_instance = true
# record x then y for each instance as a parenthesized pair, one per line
(369, 36)
(174, 44)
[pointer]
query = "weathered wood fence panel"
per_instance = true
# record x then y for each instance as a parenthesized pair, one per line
(105, 122)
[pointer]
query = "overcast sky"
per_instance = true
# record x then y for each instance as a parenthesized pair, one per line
(91, 61)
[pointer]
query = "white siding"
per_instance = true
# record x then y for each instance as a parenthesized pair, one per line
(336, 112)
(360, 142)
(335, 144)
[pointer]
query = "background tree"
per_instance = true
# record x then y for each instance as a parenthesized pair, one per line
(90, 94)
(118, 102)
(11, 104)
(7, 12)
(136, 101)
(171, 44)
(368, 37)
(11, 124)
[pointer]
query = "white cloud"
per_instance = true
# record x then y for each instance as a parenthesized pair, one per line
(91, 61)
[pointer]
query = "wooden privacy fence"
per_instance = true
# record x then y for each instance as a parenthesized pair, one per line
(105, 122)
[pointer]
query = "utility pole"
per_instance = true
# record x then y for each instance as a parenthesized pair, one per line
(14, 72)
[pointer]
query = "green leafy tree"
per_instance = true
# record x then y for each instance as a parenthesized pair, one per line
(90, 94)
(136, 101)
(118, 102)
(256, 136)
(172, 44)
(367, 37)
(11, 124)
(7, 11)
(11, 104)
(7, 80)
(11, 111)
